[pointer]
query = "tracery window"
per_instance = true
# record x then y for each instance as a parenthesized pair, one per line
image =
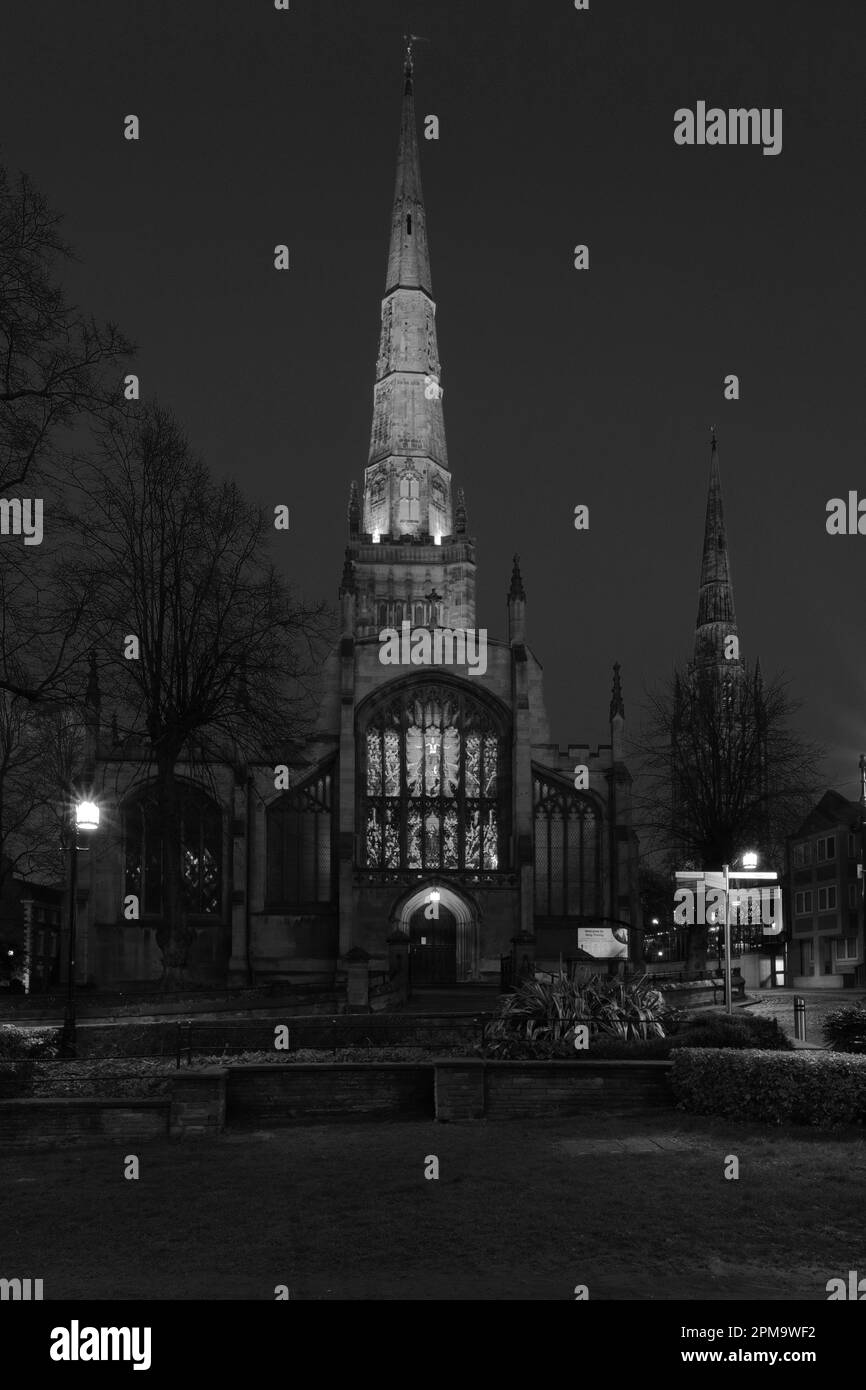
(434, 794)
(410, 499)
(567, 852)
(201, 852)
(300, 872)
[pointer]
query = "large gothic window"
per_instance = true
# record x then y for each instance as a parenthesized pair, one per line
(567, 852)
(434, 794)
(201, 852)
(300, 847)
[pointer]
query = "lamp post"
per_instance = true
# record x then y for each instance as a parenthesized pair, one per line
(85, 818)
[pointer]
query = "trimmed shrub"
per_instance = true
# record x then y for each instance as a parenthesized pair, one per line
(845, 1029)
(712, 1028)
(801, 1088)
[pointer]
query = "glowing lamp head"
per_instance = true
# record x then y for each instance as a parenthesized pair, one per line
(87, 815)
(750, 860)
(435, 895)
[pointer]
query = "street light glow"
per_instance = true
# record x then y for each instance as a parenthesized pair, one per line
(750, 860)
(86, 815)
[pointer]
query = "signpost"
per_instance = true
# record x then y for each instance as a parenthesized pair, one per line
(699, 878)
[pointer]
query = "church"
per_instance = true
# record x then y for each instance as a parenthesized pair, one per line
(430, 825)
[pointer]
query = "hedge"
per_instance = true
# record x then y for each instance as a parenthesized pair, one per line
(804, 1088)
(845, 1029)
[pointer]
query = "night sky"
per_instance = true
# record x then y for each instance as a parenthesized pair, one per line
(260, 127)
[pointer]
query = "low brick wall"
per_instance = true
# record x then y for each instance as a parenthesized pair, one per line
(275, 1095)
(198, 1102)
(466, 1089)
(15, 1079)
(256, 1034)
(40, 1122)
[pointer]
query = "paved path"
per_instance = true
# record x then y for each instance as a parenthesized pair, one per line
(582, 1148)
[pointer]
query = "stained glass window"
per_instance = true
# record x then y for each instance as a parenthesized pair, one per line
(438, 752)
(300, 847)
(200, 853)
(567, 853)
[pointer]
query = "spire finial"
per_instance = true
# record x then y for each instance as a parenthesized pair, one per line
(713, 440)
(460, 513)
(354, 512)
(347, 584)
(409, 60)
(617, 707)
(517, 590)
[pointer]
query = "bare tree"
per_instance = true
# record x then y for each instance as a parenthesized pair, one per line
(226, 654)
(39, 752)
(721, 771)
(59, 371)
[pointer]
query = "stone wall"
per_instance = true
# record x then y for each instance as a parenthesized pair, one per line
(198, 1103)
(467, 1089)
(275, 1095)
(40, 1122)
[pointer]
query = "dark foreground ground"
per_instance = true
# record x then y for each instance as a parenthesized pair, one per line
(635, 1208)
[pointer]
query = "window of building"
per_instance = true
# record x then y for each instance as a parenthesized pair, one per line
(852, 845)
(852, 894)
(434, 796)
(826, 848)
(409, 223)
(827, 898)
(802, 855)
(567, 852)
(201, 850)
(410, 503)
(300, 873)
(846, 948)
(803, 904)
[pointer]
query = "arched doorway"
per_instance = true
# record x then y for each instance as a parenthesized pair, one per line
(443, 950)
(432, 948)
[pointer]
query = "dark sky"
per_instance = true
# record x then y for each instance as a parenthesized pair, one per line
(561, 387)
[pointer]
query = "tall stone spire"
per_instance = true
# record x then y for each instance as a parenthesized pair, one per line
(408, 254)
(407, 485)
(408, 536)
(717, 619)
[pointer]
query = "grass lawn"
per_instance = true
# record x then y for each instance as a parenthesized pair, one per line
(519, 1211)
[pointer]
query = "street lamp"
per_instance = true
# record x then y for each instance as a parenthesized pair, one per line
(85, 818)
(750, 860)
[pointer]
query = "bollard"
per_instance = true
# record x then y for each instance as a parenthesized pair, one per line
(799, 1018)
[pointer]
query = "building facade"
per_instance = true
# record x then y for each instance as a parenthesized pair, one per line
(825, 898)
(431, 812)
(30, 931)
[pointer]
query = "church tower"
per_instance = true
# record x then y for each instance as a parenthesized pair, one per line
(413, 560)
(717, 619)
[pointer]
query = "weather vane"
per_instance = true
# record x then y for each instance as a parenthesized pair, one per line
(410, 39)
